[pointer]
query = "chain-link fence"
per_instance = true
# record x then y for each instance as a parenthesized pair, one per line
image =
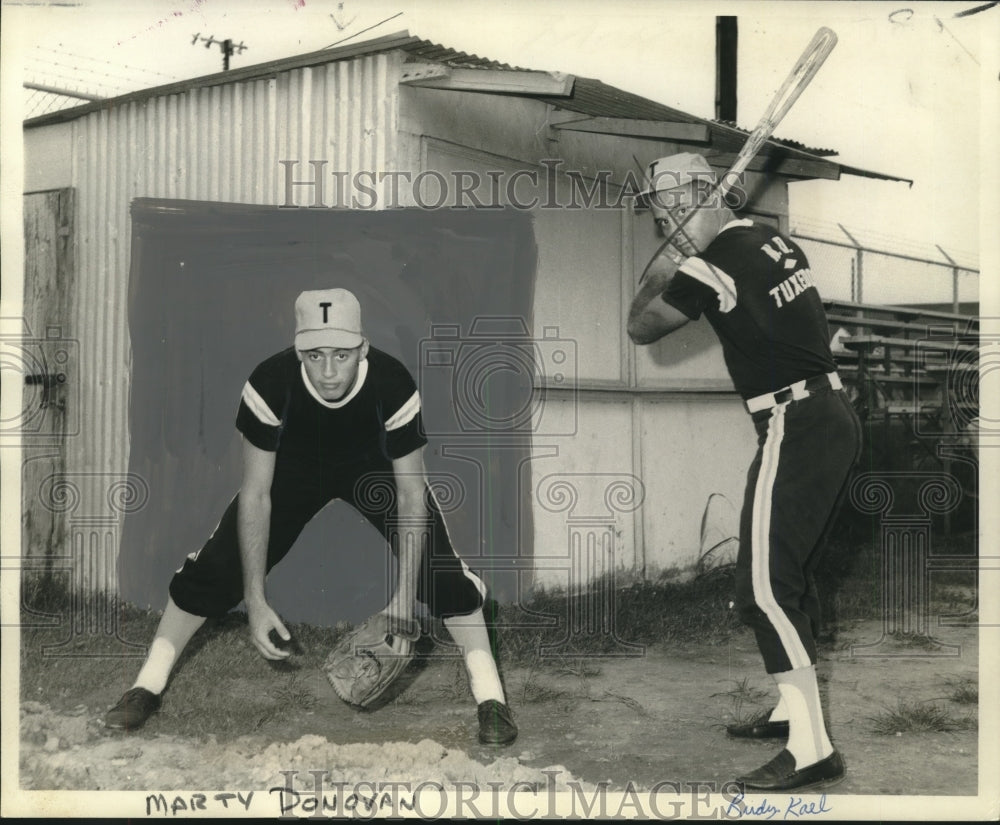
(851, 269)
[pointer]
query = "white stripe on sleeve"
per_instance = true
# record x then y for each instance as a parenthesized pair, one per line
(713, 277)
(405, 414)
(258, 406)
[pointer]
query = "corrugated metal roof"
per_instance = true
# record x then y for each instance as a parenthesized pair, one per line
(597, 99)
(590, 97)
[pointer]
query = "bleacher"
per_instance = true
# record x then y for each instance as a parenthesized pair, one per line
(905, 366)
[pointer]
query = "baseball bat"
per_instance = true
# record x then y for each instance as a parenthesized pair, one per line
(798, 78)
(801, 75)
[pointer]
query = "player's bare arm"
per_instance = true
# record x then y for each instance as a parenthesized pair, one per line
(413, 525)
(650, 317)
(253, 524)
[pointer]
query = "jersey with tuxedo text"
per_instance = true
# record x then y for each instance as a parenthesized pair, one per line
(754, 286)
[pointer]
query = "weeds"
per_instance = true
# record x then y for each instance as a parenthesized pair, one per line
(740, 695)
(581, 668)
(293, 695)
(628, 702)
(919, 641)
(918, 717)
(964, 690)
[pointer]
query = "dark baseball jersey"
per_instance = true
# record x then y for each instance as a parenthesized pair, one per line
(281, 411)
(327, 450)
(754, 286)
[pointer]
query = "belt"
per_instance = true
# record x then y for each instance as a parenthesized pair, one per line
(793, 392)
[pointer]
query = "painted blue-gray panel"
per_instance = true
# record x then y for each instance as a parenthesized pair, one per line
(210, 296)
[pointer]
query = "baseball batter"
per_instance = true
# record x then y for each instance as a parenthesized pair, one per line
(323, 420)
(754, 286)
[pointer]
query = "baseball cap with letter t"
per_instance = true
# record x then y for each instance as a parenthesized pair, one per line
(327, 318)
(672, 171)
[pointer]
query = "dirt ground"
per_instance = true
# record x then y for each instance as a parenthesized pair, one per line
(656, 718)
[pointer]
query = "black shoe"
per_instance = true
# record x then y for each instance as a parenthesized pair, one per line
(496, 725)
(759, 728)
(780, 775)
(133, 709)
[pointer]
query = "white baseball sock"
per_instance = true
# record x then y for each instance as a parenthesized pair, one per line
(469, 633)
(808, 741)
(780, 712)
(172, 635)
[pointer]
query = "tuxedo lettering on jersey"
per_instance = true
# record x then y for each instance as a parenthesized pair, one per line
(791, 287)
(325, 305)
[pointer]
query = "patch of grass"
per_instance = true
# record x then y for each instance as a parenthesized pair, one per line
(580, 668)
(745, 700)
(294, 695)
(628, 701)
(456, 688)
(918, 641)
(743, 691)
(642, 613)
(918, 717)
(964, 690)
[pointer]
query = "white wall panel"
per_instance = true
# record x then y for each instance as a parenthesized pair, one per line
(693, 445)
(585, 494)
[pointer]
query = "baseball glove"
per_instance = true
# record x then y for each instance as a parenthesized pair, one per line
(365, 662)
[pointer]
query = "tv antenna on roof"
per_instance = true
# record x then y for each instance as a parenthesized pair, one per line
(227, 46)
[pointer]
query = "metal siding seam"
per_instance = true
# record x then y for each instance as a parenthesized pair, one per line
(258, 116)
(380, 125)
(103, 192)
(204, 140)
(161, 152)
(224, 162)
(250, 159)
(271, 194)
(317, 140)
(354, 127)
(287, 133)
(343, 122)
(390, 126)
(174, 135)
(189, 144)
(302, 104)
(215, 148)
(369, 78)
(90, 373)
(239, 189)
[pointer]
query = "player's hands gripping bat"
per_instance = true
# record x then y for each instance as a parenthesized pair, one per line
(368, 660)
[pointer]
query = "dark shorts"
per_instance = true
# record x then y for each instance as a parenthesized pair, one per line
(210, 583)
(796, 484)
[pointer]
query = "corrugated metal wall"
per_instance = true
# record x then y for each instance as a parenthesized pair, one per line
(216, 143)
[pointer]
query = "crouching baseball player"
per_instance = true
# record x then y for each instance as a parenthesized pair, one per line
(318, 420)
(754, 286)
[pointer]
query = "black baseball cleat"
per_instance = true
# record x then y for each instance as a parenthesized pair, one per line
(760, 727)
(780, 774)
(133, 709)
(496, 725)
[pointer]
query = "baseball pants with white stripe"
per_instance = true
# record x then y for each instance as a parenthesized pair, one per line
(806, 450)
